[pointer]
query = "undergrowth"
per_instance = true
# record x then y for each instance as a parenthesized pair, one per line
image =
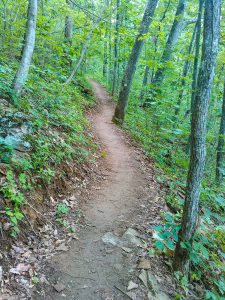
(167, 148)
(165, 142)
(59, 133)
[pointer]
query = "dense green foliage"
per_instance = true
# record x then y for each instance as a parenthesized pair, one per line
(56, 111)
(53, 112)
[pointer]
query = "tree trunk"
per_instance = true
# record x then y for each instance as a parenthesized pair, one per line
(144, 83)
(185, 72)
(84, 49)
(196, 63)
(132, 63)
(69, 26)
(147, 69)
(105, 56)
(28, 49)
(198, 134)
(197, 53)
(175, 32)
(221, 143)
(116, 51)
(110, 48)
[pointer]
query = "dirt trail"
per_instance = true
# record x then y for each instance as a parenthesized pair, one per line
(90, 269)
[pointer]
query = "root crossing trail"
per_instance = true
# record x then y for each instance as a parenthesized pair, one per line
(91, 269)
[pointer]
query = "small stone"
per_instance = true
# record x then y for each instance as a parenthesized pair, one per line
(62, 247)
(132, 285)
(59, 287)
(144, 264)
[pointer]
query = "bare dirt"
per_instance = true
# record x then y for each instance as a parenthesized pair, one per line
(92, 269)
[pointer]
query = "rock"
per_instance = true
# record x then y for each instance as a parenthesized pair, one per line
(110, 239)
(14, 271)
(127, 250)
(151, 284)
(23, 267)
(13, 131)
(1, 273)
(132, 285)
(144, 264)
(59, 287)
(4, 104)
(62, 247)
(132, 236)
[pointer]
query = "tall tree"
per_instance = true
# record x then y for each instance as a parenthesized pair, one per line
(147, 68)
(144, 83)
(221, 143)
(196, 64)
(116, 49)
(105, 55)
(176, 29)
(69, 25)
(28, 49)
(197, 53)
(185, 72)
(132, 62)
(198, 134)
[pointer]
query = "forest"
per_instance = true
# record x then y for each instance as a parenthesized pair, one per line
(119, 88)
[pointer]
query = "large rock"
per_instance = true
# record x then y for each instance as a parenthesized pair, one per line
(154, 290)
(15, 126)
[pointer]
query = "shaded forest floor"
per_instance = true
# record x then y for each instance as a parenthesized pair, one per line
(120, 207)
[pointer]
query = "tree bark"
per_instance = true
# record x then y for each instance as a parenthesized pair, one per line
(28, 49)
(197, 54)
(84, 49)
(69, 26)
(147, 69)
(144, 83)
(116, 51)
(185, 73)
(175, 32)
(105, 55)
(221, 143)
(198, 134)
(195, 68)
(132, 62)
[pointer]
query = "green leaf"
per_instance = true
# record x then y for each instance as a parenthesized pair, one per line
(170, 244)
(183, 245)
(151, 252)
(158, 228)
(159, 245)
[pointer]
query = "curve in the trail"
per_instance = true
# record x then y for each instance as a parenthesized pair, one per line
(89, 270)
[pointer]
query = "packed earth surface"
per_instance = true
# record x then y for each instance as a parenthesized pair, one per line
(109, 259)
